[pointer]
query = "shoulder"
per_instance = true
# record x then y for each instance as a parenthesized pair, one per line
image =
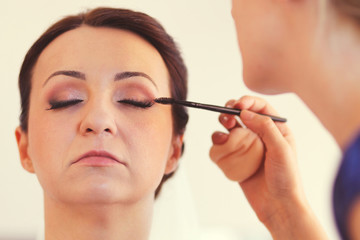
(352, 155)
(353, 148)
(346, 192)
(348, 174)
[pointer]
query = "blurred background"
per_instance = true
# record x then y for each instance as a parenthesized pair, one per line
(199, 202)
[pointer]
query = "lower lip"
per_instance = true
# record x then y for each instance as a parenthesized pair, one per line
(97, 161)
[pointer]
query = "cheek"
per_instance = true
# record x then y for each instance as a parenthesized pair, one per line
(151, 139)
(152, 134)
(243, 20)
(49, 139)
(263, 77)
(250, 45)
(262, 56)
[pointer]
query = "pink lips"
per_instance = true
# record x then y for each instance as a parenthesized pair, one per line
(97, 159)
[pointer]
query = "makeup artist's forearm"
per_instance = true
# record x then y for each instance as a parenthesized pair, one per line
(298, 222)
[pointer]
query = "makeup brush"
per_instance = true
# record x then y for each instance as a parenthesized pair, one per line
(214, 108)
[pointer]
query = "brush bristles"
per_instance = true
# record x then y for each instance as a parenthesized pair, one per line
(164, 100)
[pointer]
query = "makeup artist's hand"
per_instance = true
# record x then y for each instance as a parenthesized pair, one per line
(262, 158)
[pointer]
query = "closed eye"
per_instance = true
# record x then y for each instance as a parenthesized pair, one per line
(63, 104)
(137, 103)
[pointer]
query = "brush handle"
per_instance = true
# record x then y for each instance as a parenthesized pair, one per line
(226, 110)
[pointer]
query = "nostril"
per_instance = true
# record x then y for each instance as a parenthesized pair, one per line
(107, 130)
(89, 130)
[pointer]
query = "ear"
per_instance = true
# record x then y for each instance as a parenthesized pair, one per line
(22, 141)
(175, 154)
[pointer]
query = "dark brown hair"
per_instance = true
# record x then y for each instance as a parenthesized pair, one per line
(351, 8)
(136, 22)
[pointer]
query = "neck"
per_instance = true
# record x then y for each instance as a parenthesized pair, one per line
(332, 89)
(337, 109)
(97, 221)
(332, 93)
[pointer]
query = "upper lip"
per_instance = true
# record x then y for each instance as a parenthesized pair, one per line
(98, 153)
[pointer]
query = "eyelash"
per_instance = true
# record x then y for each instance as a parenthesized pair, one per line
(63, 104)
(68, 103)
(137, 103)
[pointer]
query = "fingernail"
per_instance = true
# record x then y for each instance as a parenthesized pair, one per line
(229, 105)
(219, 138)
(223, 118)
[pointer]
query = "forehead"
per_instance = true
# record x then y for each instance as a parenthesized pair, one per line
(100, 50)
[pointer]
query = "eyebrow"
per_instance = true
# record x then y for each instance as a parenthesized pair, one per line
(118, 76)
(74, 74)
(124, 75)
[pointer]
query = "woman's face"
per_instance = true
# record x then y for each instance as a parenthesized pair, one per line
(263, 41)
(82, 143)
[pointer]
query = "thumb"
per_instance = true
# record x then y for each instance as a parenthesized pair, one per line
(266, 129)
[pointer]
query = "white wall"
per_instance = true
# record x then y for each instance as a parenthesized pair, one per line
(205, 33)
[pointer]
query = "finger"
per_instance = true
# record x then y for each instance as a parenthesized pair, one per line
(259, 105)
(255, 104)
(238, 140)
(219, 138)
(267, 130)
(230, 103)
(240, 156)
(228, 121)
(240, 165)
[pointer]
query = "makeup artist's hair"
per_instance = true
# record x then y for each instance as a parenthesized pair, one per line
(350, 8)
(136, 22)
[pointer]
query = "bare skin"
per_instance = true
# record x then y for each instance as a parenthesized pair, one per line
(94, 156)
(304, 47)
(274, 191)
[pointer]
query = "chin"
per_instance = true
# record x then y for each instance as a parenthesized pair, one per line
(261, 83)
(93, 196)
(107, 195)
(95, 191)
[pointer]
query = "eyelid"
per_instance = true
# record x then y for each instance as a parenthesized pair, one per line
(63, 104)
(134, 90)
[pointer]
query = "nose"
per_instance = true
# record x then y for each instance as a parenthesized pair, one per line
(98, 120)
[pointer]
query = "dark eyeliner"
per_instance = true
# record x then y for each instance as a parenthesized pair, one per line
(137, 103)
(62, 104)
